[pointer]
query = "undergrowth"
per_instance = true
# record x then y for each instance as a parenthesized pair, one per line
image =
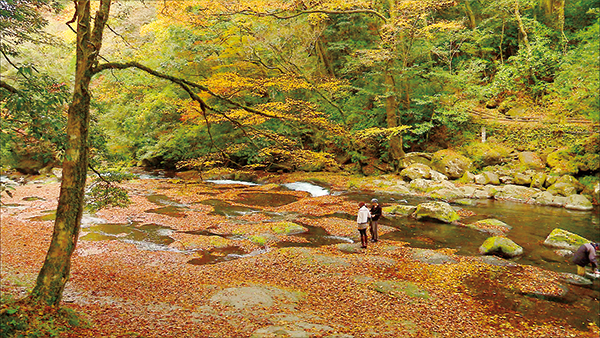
(19, 319)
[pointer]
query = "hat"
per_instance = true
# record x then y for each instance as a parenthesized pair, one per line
(361, 204)
(374, 200)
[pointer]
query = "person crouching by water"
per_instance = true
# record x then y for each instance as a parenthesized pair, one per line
(586, 254)
(363, 220)
(375, 215)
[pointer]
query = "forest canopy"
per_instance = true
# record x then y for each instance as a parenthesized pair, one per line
(294, 85)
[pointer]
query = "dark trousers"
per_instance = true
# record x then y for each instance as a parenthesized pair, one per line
(373, 230)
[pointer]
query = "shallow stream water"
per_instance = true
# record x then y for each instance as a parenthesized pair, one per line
(530, 224)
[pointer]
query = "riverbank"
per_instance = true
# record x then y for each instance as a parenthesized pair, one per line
(276, 286)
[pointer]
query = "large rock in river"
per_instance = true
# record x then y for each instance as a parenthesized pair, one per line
(564, 239)
(440, 211)
(515, 193)
(578, 202)
(500, 246)
(451, 163)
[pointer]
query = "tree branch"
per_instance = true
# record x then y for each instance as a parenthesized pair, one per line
(323, 11)
(184, 84)
(8, 87)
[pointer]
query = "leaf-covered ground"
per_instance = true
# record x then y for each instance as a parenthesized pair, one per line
(335, 290)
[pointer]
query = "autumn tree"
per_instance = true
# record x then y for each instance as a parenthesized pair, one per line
(55, 271)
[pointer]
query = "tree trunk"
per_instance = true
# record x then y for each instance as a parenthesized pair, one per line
(391, 110)
(54, 274)
(522, 27)
(325, 60)
(469, 10)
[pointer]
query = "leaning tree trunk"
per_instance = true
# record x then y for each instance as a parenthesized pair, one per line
(54, 274)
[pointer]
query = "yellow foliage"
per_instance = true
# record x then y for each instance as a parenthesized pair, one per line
(374, 132)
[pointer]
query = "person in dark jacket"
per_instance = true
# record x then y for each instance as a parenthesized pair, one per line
(375, 215)
(586, 254)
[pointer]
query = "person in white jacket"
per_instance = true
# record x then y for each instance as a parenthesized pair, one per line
(363, 222)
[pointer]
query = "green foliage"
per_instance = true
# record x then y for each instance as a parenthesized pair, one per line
(577, 85)
(23, 320)
(424, 63)
(33, 119)
(103, 191)
(23, 21)
(528, 73)
(536, 137)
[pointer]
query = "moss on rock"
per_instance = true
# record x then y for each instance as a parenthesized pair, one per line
(501, 246)
(564, 239)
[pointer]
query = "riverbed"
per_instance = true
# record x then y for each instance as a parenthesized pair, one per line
(202, 229)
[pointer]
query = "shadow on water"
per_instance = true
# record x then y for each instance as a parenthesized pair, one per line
(314, 237)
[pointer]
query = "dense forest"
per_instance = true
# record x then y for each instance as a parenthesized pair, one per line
(294, 85)
(286, 89)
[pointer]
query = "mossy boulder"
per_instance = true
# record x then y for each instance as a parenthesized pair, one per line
(578, 202)
(487, 177)
(440, 211)
(467, 178)
(537, 180)
(530, 160)
(563, 189)
(546, 198)
(568, 179)
(564, 239)
(500, 246)
(415, 157)
(522, 179)
(446, 194)
(491, 226)
(288, 228)
(514, 193)
(451, 163)
(486, 154)
(399, 210)
(416, 170)
(420, 185)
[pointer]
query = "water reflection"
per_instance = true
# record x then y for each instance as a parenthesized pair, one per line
(224, 208)
(151, 237)
(47, 215)
(169, 207)
(265, 199)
